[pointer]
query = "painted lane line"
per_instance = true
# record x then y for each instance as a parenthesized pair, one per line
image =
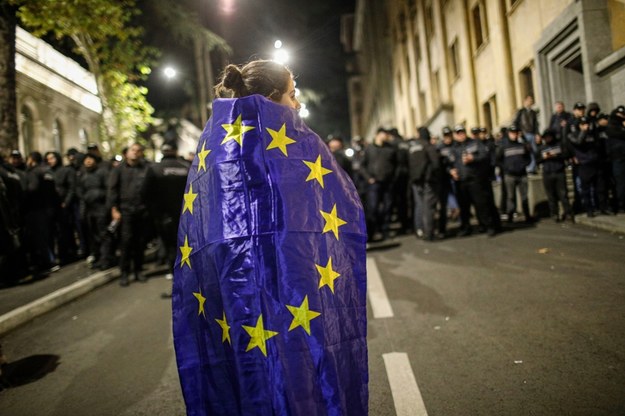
(406, 395)
(380, 304)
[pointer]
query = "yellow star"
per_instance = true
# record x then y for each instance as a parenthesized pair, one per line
(302, 315)
(259, 336)
(235, 131)
(201, 299)
(316, 170)
(279, 139)
(189, 197)
(223, 323)
(328, 275)
(333, 222)
(185, 250)
(202, 157)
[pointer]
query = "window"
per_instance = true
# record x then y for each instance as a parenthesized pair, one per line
(526, 82)
(480, 25)
(57, 135)
(417, 47)
(83, 138)
(429, 21)
(454, 60)
(436, 94)
(489, 108)
(26, 127)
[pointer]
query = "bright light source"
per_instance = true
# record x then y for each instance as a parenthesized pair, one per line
(303, 112)
(281, 56)
(349, 152)
(169, 72)
(277, 44)
(297, 93)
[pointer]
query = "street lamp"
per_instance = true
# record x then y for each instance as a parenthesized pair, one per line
(169, 72)
(303, 111)
(280, 55)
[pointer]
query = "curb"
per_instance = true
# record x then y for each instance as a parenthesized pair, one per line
(599, 223)
(25, 313)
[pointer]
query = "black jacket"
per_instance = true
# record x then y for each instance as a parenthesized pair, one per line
(514, 156)
(40, 192)
(552, 156)
(585, 146)
(423, 162)
(479, 168)
(380, 163)
(527, 120)
(125, 187)
(92, 188)
(64, 183)
(616, 137)
(165, 184)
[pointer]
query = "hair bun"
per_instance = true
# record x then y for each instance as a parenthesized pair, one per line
(233, 79)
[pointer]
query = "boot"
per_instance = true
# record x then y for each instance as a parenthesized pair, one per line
(123, 280)
(140, 277)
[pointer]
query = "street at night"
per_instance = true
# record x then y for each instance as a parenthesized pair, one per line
(527, 323)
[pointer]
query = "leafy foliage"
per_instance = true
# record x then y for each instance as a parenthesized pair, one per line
(103, 34)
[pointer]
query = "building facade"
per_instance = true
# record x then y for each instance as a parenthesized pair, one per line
(57, 101)
(444, 62)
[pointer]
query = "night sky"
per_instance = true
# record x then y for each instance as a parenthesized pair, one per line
(309, 30)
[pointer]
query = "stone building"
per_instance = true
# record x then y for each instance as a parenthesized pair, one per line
(442, 62)
(57, 102)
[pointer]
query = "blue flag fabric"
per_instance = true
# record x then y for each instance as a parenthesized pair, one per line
(269, 313)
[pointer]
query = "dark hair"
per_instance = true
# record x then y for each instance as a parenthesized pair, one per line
(36, 157)
(267, 78)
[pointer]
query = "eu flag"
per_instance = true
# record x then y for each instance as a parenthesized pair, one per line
(269, 313)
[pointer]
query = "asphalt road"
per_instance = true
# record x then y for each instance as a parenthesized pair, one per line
(531, 322)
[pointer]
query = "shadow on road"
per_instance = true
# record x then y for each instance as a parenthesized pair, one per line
(29, 369)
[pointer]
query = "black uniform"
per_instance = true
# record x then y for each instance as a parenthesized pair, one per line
(514, 157)
(12, 264)
(92, 188)
(445, 184)
(125, 194)
(380, 165)
(587, 152)
(472, 186)
(39, 202)
(63, 223)
(164, 187)
(552, 156)
(424, 174)
(616, 152)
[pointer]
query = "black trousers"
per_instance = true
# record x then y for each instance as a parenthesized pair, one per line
(593, 187)
(476, 192)
(379, 204)
(555, 188)
(133, 232)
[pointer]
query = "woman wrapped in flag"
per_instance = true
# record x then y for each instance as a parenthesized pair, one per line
(269, 313)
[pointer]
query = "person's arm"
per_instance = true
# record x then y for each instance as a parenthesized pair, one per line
(112, 201)
(71, 186)
(364, 167)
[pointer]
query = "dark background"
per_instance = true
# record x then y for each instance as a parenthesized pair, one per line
(309, 30)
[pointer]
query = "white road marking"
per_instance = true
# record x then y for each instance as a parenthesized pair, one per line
(377, 294)
(406, 394)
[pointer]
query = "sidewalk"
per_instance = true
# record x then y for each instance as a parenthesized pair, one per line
(19, 304)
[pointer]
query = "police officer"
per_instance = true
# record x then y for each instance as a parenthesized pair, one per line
(126, 204)
(470, 173)
(92, 188)
(446, 186)
(62, 221)
(379, 168)
(552, 156)
(514, 156)
(579, 111)
(616, 152)
(424, 176)
(587, 156)
(12, 266)
(164, 187)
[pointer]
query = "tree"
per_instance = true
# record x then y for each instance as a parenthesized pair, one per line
(103, 35)
(8, 106)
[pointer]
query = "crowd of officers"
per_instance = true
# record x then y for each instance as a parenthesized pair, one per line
(53, 214)
(423, 181)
